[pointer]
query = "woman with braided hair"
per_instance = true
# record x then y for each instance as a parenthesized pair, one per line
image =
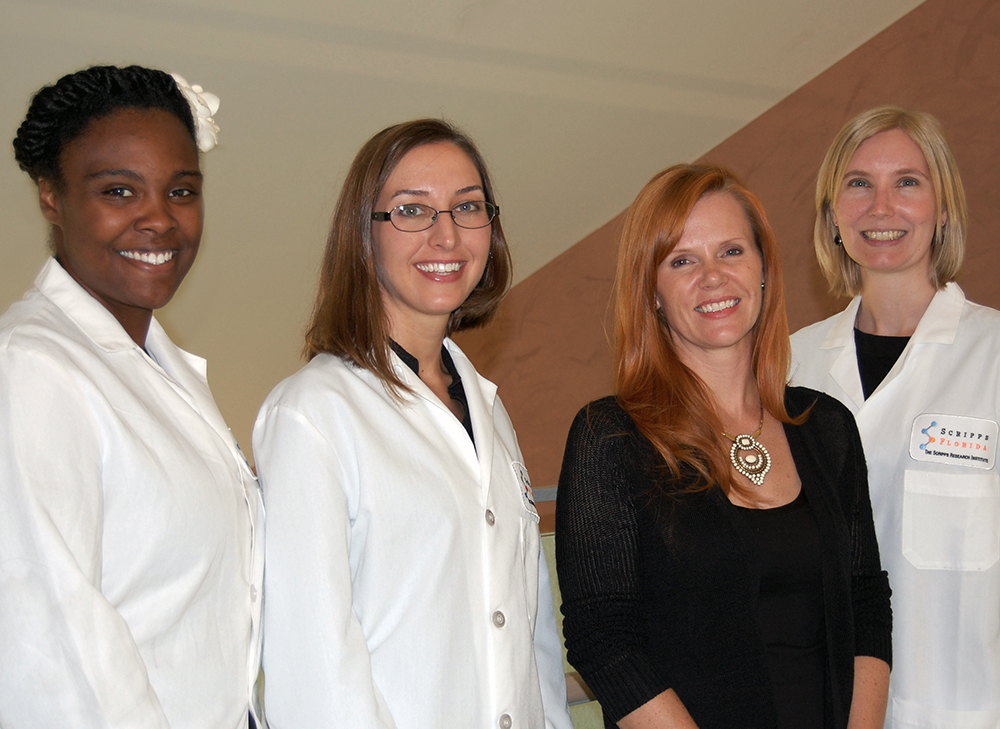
(131, 529)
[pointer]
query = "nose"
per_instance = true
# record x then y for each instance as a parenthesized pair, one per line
(156, 216)
(444, 233)
(713, 273)
(881, 202)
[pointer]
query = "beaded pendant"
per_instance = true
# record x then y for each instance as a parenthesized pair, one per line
(755, 463)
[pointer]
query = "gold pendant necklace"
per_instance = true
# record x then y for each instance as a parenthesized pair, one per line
(757, 462)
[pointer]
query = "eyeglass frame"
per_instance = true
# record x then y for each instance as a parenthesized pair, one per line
(386, 216)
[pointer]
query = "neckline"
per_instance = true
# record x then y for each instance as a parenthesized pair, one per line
(797, 502)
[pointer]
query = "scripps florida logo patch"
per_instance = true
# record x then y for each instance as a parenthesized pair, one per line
(954, 440)
(527, 495)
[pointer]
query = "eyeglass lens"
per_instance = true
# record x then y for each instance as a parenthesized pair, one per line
(415, 217)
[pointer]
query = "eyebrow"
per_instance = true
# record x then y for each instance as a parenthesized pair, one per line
(464, 190)
(133, 175)
(904, 171)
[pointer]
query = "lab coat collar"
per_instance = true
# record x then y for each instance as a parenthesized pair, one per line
(185, 372)
(88, 313)
(841, 334)
(481, 395)
(938, 325)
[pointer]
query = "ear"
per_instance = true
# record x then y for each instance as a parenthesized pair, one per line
(48, 201)
(944, 217)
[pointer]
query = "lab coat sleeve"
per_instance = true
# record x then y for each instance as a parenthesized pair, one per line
(316, 660)
(67, 657)
(548, 654)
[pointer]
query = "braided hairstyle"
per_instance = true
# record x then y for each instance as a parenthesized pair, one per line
(60, 113)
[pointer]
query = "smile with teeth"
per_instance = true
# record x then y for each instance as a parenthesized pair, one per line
(441, 269)
(716, 306)
(157, 259)
(883, 234)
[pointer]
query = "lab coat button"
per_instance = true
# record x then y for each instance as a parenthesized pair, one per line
(499, 619)
(490, 519)
(253, 593)
(505, 722)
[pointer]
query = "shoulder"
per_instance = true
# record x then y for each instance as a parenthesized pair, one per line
(824, 411)
(324, 378)
(35, 323)
(981, 317)
(605, 435)
(814, 334)
(38, 341)
(603, 418)
(829, 433)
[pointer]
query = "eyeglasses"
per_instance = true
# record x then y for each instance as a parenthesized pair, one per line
(413, 217)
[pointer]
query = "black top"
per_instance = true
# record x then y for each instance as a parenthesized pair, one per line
(662, 593)
(787, 544)
(456, 390)
(876, 356)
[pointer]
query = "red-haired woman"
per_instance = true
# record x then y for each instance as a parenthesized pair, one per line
(716, 552)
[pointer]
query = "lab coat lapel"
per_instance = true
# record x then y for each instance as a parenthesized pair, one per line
(187, 374)
(844, 369)
(459, 439)
(938, 325)
(481, 394)
(93, 319)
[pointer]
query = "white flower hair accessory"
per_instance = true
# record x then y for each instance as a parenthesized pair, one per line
(203, 108)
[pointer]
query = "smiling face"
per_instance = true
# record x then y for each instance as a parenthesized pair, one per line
(128, 216)
(425, 276)
(887, 210)
(709, 286)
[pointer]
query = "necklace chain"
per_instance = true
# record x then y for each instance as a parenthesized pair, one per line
(757, 462)
(756, 432)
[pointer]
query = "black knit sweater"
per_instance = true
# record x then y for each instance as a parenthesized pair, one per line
(662, 592)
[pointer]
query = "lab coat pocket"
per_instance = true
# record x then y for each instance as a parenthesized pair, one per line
(914, 715)
(951, 521)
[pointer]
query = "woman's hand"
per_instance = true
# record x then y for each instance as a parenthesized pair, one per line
(665, 711)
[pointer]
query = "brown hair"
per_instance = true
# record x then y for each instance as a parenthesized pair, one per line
(349, 319)
(948, 244)
(668, 402)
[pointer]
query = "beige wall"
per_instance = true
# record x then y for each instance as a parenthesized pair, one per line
(549, 353)
(575, 103)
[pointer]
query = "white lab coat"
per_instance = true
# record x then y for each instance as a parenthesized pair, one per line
(131, 528)
(938, 523)
(405, 583)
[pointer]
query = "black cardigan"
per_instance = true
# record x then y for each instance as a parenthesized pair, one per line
(661, 593)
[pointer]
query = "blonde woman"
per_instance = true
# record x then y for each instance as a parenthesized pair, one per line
(917, 365)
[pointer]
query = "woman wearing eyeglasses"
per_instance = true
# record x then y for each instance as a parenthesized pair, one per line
(405, 583)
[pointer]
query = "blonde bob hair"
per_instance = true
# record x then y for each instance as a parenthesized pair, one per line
(668, 402)
(948, 244)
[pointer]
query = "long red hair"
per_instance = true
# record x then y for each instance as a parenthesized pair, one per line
(669, 403)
